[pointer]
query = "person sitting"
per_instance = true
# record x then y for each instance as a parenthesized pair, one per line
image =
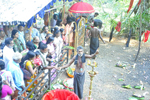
(18, 46)
(36, 41)
(17, 74)
(8, 51)
(5, 90)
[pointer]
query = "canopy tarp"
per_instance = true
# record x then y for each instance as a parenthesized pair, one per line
(22, 11)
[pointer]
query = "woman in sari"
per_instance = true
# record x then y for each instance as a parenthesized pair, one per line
(18, 46)
(31, 67)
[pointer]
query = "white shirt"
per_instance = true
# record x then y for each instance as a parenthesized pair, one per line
(58, 41)
(7, 55)
(42, 36)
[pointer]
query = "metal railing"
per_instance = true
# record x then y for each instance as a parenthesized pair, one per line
(38, 94)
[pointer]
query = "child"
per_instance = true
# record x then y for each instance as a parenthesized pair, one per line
(46, 38)
(37, 60)
(63, 35)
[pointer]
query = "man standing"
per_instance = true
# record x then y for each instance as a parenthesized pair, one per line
(8, 51)
(44, 33)
(44, 56)
(21, 35)
(34, 31)
(94, 41)
(91, 18)
(17, 74)
(79, 73)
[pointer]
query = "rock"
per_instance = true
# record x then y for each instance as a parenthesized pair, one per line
(124, 48)
(134, 65)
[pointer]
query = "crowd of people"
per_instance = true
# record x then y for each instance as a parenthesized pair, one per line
(30, 49)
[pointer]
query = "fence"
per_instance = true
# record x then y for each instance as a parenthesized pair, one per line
(41, 87)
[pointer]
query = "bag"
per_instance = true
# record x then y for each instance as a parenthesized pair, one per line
(27, 75)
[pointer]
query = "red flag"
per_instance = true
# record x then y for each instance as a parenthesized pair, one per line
(146, 36)
(130, 6)
(139, 2)
(118, 27)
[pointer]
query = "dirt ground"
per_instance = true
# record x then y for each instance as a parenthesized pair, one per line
(106, 85)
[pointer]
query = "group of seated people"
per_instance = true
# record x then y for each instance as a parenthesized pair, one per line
(31, 49)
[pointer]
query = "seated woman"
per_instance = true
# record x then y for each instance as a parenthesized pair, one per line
(31, 67)
(18, 45)
(5, 90)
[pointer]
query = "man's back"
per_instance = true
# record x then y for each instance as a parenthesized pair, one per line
(94, 32)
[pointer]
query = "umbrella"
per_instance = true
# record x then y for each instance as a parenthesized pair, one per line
(81, 8)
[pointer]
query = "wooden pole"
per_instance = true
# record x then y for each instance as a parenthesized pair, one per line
(63, 11)
(141, 8)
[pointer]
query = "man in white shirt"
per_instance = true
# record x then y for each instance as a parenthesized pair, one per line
(8, 51)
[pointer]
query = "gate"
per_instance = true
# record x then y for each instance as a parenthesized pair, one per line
(80, 34)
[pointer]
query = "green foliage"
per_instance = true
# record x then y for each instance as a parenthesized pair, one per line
(112, 11)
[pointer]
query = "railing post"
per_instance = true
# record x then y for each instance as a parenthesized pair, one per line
(67, 55)
(49, 77)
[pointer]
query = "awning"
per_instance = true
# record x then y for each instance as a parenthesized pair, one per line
(20, 10)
